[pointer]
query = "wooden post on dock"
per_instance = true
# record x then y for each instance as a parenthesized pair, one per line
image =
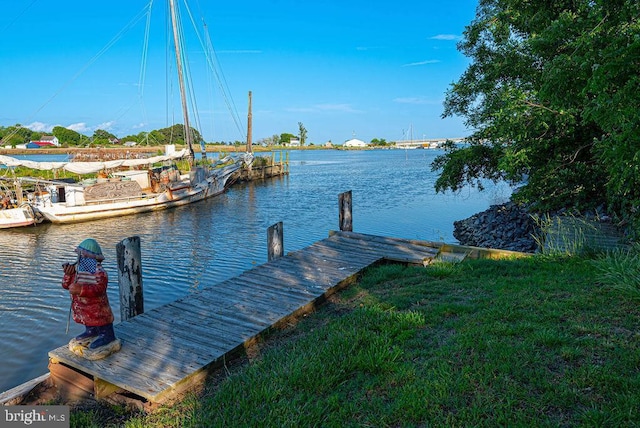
(130, 277)
(19, 194)
(275, 242)
(346, 219)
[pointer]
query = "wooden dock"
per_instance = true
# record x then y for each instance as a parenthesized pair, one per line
(172, 348)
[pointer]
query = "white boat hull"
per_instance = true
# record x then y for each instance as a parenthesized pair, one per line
(17, 217)
(59, 212)
(180, 193)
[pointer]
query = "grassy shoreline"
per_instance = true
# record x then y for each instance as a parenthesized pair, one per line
(530, 342)
(147, 149)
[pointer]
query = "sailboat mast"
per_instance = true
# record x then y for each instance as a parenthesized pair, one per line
(249, 127)
(183, 95)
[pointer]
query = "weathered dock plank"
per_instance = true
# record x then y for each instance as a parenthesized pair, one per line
(350, 260)
(158, 353)
(232, 315)
(170, 348)
(340, 252)
(270, 288)
(322, 262)
(329, 267)
(388, 248)
(273, 303)
(175, 330)
(279, 286)
(260, 301)
(221, 315)
(321, 275)
(188, 330)
(196, 352)
(280, 277)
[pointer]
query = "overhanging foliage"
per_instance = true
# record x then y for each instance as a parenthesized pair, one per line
(553, 94)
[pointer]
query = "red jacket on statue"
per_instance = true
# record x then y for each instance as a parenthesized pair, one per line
(89, 299)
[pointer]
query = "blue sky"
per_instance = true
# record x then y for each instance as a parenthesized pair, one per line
(342, 68)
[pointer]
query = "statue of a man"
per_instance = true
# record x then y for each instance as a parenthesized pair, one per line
(87, 282)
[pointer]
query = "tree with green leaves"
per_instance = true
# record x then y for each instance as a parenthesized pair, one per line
(105, 135)
(17, 134)
(102, 137)
(302, 133)
(133, 138)
(67, 136)
(379, 142)
(285, 138)
(172, 135)
(553, 96)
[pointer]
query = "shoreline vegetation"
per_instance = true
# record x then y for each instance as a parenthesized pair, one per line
(156, 149)
(123, 150)
(535, 341)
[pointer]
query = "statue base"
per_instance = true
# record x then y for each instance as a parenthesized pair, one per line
(81, 349)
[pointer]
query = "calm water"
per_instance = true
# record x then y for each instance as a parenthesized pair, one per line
(200, 245)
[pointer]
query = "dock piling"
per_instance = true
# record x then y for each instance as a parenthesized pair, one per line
(130, 277)
(346, 219)
(275, 241)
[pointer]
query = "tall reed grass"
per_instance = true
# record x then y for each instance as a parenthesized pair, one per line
(620, 270)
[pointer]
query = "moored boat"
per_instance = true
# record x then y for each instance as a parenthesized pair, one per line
(17, 217)
(127, 191)
(14, 212)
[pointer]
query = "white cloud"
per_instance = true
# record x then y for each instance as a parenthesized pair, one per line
(81, 127)
(105, 126)
(78, 127)
(429, 61)
(446, 37)
(140, 125)
(39, 127)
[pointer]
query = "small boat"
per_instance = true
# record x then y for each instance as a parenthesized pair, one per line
(127, 191)
(14, 212)
(17, 217)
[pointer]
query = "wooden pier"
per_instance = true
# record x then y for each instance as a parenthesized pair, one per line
(172, 348)
(266, 167)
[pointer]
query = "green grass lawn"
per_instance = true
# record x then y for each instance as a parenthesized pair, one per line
(530, 342)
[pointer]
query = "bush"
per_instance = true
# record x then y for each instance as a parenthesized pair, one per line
(620, 270)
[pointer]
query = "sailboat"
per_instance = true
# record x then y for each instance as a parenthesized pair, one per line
(135, 185)
(129, 191)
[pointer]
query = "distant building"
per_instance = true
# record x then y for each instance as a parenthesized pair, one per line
(354, 142)
(39, 144)
(47, 140)
(294, 142)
